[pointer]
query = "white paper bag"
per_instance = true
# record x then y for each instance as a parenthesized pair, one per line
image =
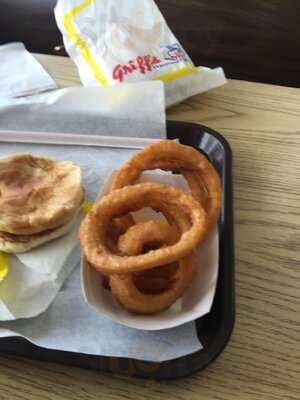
(121, 41)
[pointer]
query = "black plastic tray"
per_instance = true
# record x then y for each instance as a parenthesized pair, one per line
(215, 328)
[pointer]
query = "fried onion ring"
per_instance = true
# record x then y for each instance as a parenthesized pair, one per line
(168, 155)
(139, 239)
(155, 280)
(93, 229)
(154, 290)
(145, 236)
(130, 297)
(146, 233)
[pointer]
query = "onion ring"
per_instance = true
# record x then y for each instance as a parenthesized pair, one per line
(167, 155)
(154, 290)
(129, 296)
(93, 229)
(155, 280)
(149, 232)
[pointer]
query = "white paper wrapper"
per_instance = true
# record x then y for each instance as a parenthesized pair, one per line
(196, 301)
(20, 72)
(136, 110)
(35, 277)
(121, 41)
(69, 324)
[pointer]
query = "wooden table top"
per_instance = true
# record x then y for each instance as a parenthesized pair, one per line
(262, 360)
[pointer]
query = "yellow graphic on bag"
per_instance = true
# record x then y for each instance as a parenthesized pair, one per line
(86, 54)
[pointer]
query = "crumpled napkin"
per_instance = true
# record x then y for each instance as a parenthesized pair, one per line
(20, 73)
(35, 277)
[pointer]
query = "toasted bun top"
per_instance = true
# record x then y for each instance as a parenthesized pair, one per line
(37, 193)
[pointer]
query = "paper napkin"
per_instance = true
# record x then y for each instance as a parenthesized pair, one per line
(20, 73)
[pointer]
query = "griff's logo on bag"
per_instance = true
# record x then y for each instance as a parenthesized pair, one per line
(175, 53)
(141, 64)
(171, 54)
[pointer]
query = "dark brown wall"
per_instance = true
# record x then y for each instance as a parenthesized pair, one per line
(252, 39)
(29, 21)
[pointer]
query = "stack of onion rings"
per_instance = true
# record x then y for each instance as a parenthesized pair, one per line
(149, 265)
